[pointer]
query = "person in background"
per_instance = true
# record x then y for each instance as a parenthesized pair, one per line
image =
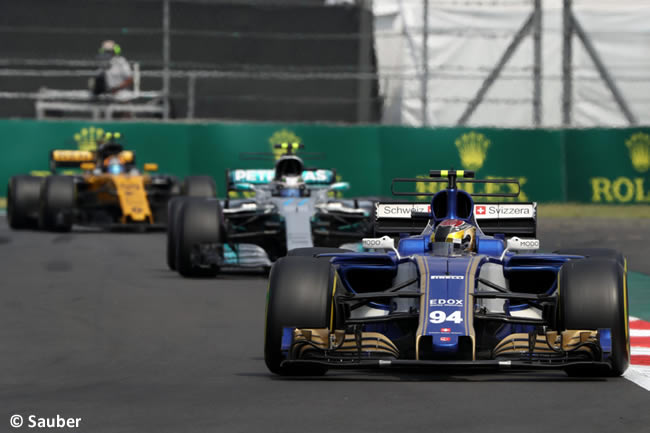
(116, 76)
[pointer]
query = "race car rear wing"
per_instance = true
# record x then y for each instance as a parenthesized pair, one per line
(63, 158)
(264, 176)
(408, 218)
(69, 158)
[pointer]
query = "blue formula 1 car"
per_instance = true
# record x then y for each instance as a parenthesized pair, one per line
(289, 207)
(466, 291)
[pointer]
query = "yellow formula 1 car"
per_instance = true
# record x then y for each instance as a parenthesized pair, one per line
(108, 192)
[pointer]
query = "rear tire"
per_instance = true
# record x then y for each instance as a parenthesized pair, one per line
(199, 186)
(199, 221)
(593, 294)
(57, 203)
(23, 194)
(300, 295)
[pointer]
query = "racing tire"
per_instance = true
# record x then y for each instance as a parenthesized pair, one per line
(314, 251)
(300, 295)
(199, 186)
(198, 221)
(57, 203)
(593, 295)
(173, 209)
(23, 194)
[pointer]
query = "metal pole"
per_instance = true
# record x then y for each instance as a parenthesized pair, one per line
(166, 59)
(537, 64)
(494, 74)
(191, 86)
(425, 63)
(567, 61)
(365, 46)
(604, 73)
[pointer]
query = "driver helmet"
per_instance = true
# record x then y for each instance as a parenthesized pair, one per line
(109, 47)
(114, 165)
(458, 232)
(291, 186)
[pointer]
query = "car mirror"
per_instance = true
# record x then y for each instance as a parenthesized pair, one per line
(385, 242)
(518, 244)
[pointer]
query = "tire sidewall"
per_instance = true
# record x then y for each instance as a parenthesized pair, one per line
(173, 210)
(299, 295)
(57, 203)
(199, 186)
(593, 294)
(23, 197)
(199, 220)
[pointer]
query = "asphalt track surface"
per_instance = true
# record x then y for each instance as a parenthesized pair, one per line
(93, 325)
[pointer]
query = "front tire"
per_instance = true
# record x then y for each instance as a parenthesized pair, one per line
(57, 203)
(199, 186)
(173, 211)
(593, 295)
(300, 296)
(23, 194)
(199, 222)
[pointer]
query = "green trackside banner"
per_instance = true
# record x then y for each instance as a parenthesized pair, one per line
(598, 165)
(608, 165)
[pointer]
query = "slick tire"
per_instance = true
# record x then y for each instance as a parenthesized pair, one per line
(300, 295)
(23, 194)
(57, 203)
(173, 211)
(199, 221)
(593, 295)
(199, 186)
(314, 251)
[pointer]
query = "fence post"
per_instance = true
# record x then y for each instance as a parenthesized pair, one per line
(365, 46)
(567, 60)
(191, 100)
(425, 63)
(537, 64)
(166, 59)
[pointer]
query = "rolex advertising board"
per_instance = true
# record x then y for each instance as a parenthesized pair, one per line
(591, 165)
(534, 157)
(608, 166)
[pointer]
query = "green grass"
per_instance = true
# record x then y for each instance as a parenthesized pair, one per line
(575, 210)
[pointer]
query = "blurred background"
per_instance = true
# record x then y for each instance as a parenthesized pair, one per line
(504, 63)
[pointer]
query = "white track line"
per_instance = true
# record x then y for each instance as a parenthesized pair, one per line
(639, 375)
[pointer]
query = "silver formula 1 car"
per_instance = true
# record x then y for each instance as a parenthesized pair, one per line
(290, 208)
